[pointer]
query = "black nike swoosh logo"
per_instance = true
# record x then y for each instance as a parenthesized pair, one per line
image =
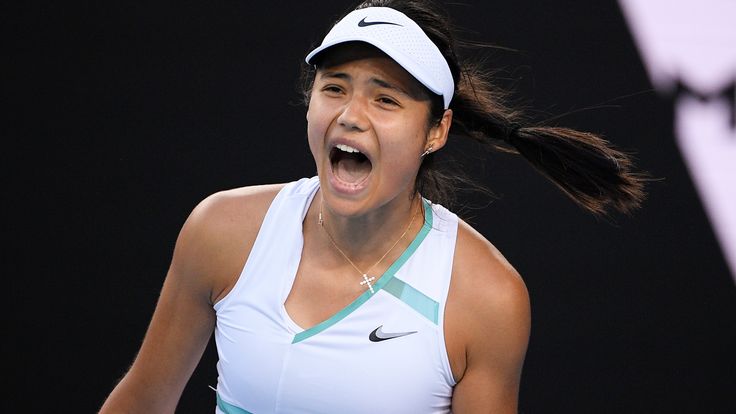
(378, 335)
(364, 23)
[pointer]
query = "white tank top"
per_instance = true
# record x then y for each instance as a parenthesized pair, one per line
(383, 353)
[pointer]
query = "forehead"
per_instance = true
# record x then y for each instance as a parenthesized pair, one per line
(341, 56)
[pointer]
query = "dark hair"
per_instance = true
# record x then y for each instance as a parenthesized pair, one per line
(583, 165)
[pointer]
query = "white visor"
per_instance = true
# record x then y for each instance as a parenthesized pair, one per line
(399, 37)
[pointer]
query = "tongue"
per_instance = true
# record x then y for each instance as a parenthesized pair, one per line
(352, 170)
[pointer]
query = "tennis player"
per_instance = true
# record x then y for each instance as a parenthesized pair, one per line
(356, 291)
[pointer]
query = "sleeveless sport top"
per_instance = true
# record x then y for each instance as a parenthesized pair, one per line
(383, 353)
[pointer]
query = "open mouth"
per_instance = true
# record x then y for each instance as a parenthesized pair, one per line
(349, 165)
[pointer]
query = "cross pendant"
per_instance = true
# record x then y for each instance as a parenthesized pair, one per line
(367, 281)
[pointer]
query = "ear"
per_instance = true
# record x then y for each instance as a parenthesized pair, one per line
(437, 136)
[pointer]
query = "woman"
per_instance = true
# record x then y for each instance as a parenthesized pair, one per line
(352, 292)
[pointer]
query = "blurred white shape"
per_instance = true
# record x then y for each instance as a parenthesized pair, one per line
(709, 143)
(690, 40)
(694, 43)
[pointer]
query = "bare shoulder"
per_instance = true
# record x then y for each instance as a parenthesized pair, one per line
(483, 278)
(239, 206)
(488, 313)
(218, 235)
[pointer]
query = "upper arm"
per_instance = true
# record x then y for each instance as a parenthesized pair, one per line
(490, 300)
(209, 254)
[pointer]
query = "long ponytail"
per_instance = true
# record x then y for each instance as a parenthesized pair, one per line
(583, 165)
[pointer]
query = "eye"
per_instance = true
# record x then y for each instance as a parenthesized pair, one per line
(386, 100)
(332, 89)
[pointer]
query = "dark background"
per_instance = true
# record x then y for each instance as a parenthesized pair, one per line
(122, 116)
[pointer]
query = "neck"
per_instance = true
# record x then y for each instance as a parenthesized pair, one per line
(366, 237)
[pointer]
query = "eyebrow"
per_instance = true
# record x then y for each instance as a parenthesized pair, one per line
(377, 81)
(332, 74)
(382, 83)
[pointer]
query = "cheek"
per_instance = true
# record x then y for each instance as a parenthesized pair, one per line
(316, 130)
(410, 138)
(403, 154)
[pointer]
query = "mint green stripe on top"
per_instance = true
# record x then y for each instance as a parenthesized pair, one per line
(228, 408)
(382, 281)
(421, 303)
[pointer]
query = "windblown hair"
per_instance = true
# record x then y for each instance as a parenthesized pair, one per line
(583, 165)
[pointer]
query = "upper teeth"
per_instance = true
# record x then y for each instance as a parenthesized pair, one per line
(346, 148)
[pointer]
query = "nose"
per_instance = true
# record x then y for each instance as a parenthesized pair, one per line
(353, 116)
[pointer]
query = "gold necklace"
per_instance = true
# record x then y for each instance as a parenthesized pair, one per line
(366, 280)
